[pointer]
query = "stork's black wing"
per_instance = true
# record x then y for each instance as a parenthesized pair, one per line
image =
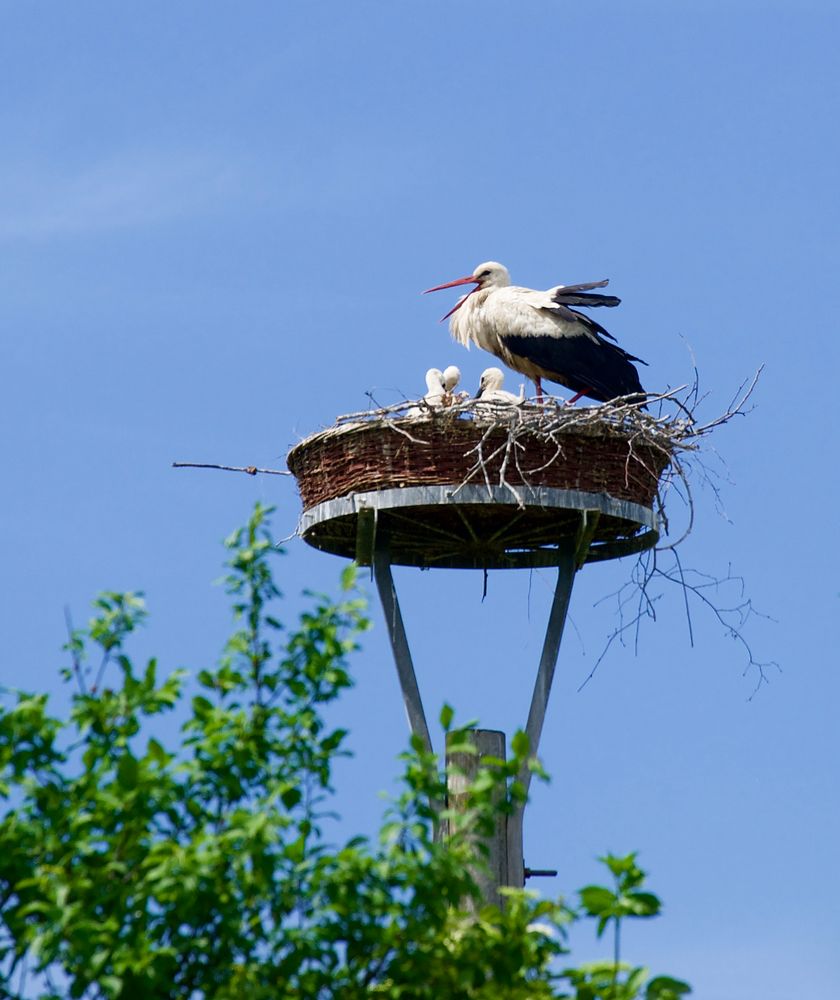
(585, 364)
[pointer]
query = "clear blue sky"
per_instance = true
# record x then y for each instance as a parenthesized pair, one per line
(215, 221)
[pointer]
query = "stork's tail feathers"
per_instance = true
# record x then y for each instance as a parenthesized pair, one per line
(566, 296)
(581, 295)
(590, 299)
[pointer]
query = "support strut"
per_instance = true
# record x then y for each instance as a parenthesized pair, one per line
(566, 570)
(570, 555)
(399, 640)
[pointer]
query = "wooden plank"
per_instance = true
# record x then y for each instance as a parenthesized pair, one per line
(365, 536)
(491, 869)
(588, 526)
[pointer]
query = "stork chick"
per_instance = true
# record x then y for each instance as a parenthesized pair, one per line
(490, 388)
(451, 378)
(435, 391)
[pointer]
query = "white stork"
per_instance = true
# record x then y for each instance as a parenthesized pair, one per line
(490, 388)
(539, 335)
(451, 377)
(435, 390)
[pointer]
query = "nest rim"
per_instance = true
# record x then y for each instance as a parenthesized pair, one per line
(354, 526)
(433, 503)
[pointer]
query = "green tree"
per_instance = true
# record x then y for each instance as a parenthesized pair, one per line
(134, 869)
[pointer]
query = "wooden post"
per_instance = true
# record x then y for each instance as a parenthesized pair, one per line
(493, 873)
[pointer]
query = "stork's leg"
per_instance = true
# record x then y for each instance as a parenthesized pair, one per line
(577, 395)
(538, 384)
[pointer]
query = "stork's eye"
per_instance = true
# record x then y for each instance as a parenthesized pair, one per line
(484, 274)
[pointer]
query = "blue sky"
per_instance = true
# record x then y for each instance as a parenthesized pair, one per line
(214, 226)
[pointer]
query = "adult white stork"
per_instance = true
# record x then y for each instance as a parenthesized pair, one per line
(490, 388)
(540, 335)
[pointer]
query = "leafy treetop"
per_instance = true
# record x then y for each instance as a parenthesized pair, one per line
(130, 868)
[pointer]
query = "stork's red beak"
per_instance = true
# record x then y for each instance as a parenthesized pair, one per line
(452, 284)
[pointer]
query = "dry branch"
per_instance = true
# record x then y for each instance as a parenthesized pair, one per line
(251, 470)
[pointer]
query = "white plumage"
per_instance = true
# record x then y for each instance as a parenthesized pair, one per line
(538, 334)
(435, 387)
(451, 377)
(490, 388)
(435, 390)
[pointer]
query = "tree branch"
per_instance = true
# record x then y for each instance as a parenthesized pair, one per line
(251, 470)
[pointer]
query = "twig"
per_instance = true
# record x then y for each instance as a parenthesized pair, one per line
(74, 652)
(732, 617)
(251, 470)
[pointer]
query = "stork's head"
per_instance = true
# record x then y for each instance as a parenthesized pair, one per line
(451, 377)
(486, 276)
(491, 274)
(491, 378)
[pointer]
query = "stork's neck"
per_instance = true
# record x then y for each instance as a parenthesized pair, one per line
(463, 325)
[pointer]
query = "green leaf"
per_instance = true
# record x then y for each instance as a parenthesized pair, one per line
(348, 576)
(634, 981)
(666, 988)
(447, 714)
(128, 771)
(201, 706)
(290, 797)
(625, 869)
(156, 751)
(643, 904)
(597, 899)
(520, 744)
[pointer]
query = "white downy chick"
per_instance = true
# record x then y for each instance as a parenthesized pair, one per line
(435, 390)
(451, 378)
(490, 388)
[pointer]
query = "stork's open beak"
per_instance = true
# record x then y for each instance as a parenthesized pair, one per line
(452, 284)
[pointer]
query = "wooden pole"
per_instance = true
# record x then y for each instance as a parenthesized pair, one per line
(492, 872)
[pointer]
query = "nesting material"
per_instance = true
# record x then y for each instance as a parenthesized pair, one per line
(475, 484)
(618, 450)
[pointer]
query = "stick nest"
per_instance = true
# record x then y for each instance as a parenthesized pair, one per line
(615, 448)
(620, 450)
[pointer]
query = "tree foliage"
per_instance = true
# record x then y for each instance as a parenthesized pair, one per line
(133, 866)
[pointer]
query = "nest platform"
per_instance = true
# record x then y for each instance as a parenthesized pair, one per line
(473, 486)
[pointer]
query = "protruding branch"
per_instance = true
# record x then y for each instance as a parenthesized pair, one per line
(251, 470)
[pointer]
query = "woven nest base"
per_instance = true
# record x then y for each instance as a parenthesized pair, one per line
(497, 503)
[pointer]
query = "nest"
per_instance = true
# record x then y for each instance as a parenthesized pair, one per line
(484, 486)
(502, 446)
(512, 481)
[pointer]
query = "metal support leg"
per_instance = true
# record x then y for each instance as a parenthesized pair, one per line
(539, 700)
(399, 640)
